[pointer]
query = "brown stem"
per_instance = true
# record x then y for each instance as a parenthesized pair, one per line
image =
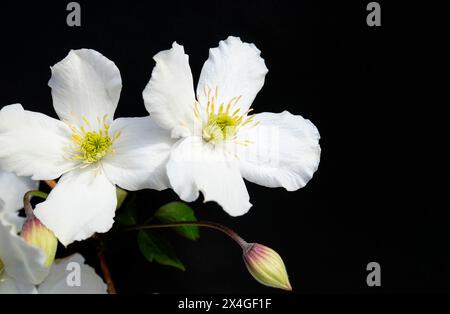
(27, 202)
(104, 265)
(106, 272)
(208, 224)
(27, 205)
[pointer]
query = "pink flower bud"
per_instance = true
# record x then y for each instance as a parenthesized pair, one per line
(266, 266)
(37, 235)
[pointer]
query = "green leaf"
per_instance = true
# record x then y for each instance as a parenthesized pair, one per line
(177, 212)
(156, 248)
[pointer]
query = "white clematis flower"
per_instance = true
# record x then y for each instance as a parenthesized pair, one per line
(87, 147)
(17, 274)
(22, 267)
(12, 191)
(218, 142)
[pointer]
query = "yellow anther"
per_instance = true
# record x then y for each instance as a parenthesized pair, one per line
(90, 146)
(221, 125)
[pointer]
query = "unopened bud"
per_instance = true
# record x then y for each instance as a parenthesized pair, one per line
(266, 266)
(37, 235)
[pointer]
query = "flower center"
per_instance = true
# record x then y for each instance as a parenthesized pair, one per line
(91, 146)
(95, 145)
(220, 127)
(223, 124)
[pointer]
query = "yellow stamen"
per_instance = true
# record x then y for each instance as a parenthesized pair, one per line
(91, 146)
(221, 125)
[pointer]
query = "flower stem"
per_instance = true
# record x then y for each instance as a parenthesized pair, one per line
(207, 224)
(104, 265)
(106, 273)
(27, 201)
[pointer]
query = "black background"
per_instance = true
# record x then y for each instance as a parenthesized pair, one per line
(378, 194)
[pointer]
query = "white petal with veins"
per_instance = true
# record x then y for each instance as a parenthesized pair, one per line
(12, 190)
(169, 96)
(235, 69)
(33, 144)
(195, 166)
(85, 84)
(140, 155)
(82, 203)
(21, 261)
(283, 151)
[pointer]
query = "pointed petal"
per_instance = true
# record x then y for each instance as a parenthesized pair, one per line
(235, 69)
(85, 84)
(284, 151)
(169, 96)
(82, 203)
(194, 167)
(33, 144)
(140, 155)
(58, 280)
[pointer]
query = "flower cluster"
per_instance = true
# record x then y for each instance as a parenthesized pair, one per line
(25, 265)
(207, 140)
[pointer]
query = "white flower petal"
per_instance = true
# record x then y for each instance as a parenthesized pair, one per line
(21, 261)
(82, 203)
(235, 69)
(284, 151)
(9, 285)
(85, 84)
(57, 281)
(140, 155)
(12, 190)
(194, 167)
(33, 144)
(169, 96)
